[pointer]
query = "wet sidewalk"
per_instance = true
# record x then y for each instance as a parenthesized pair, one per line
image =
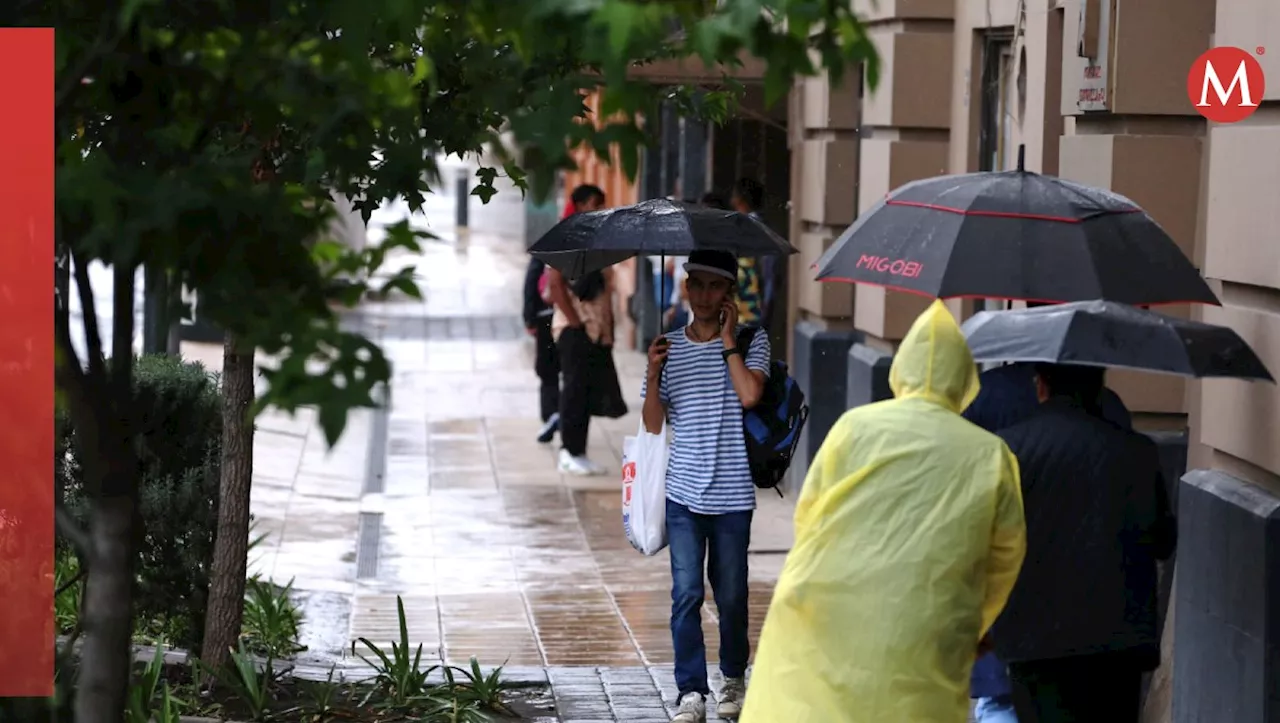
(445, 499)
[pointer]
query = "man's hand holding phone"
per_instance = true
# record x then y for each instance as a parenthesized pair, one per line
(729, 321)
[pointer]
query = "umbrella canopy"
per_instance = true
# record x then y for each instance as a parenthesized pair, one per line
(587, 242)
(1014, 235)
(1110, 334)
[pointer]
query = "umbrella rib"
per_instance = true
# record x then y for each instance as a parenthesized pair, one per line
(1070, 188)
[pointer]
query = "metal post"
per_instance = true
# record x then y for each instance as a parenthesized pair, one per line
(464, 198)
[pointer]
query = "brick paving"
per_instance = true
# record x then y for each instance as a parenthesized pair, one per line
(447, 501)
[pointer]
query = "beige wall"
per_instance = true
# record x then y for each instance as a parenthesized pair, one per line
(1214, 188)
(1237, 425)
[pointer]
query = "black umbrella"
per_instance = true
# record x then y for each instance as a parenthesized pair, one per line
(1014, 235)
(1110, 334)
(594, 240)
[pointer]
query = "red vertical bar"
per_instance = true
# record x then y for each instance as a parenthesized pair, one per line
(26, 361)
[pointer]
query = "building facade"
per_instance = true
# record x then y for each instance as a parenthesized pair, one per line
(1096, 90)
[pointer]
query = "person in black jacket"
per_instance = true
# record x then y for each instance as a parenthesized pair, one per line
(546, 360)
(1080, 627)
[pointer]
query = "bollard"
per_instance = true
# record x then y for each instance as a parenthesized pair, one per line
(464, 199)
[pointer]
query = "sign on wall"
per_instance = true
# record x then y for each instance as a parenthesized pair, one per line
(1094, 45)
(1226, 84)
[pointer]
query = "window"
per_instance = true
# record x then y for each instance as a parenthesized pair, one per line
(997, 142)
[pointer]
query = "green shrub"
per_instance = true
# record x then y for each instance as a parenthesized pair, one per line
(178, 408)
(66, 604)
(271, 619)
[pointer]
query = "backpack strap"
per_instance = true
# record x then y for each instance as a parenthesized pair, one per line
(746, 335)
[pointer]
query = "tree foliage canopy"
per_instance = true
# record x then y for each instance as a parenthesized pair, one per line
(206, 140)
(205, 137)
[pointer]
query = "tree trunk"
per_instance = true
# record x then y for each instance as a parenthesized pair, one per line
(107, 613)
(106, 434)
(231, 548)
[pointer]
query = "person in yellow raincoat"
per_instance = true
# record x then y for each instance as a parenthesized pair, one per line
(909, 536)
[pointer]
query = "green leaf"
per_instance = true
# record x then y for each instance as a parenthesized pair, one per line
(404, 283)
(423, 69)
(484, 192)
(620, 17)
(316, 166)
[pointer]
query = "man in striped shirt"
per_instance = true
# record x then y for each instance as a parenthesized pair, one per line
(704, 382)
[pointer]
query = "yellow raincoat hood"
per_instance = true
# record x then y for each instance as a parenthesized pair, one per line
(934, 362)
(909, 537)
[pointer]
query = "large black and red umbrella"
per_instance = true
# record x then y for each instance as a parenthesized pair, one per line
(1014, 235)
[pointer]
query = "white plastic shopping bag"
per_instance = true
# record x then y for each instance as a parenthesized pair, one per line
(644, 490)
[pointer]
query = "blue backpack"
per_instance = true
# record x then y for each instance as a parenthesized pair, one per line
(772, 427)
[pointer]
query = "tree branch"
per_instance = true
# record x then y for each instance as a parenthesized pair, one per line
(70, 583)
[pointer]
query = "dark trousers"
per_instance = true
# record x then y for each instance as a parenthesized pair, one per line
(1103, 688)
(714, 545)
(546, 364)
(576, 352)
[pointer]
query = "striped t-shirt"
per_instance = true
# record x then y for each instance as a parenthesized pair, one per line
(707, 469)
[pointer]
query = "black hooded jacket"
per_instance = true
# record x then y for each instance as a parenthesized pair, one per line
(1098, 519)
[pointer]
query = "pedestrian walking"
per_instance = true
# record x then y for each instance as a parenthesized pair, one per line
(1080, 627)
(908, 538)
(537, 312)
(703, 382)
(1007, 397)
(582, 328)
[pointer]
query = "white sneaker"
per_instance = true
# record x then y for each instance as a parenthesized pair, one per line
(732, 694)
(693, 709)
(577, 466)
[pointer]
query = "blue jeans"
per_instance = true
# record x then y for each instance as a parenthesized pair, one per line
(994, 710)
(714, 545)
